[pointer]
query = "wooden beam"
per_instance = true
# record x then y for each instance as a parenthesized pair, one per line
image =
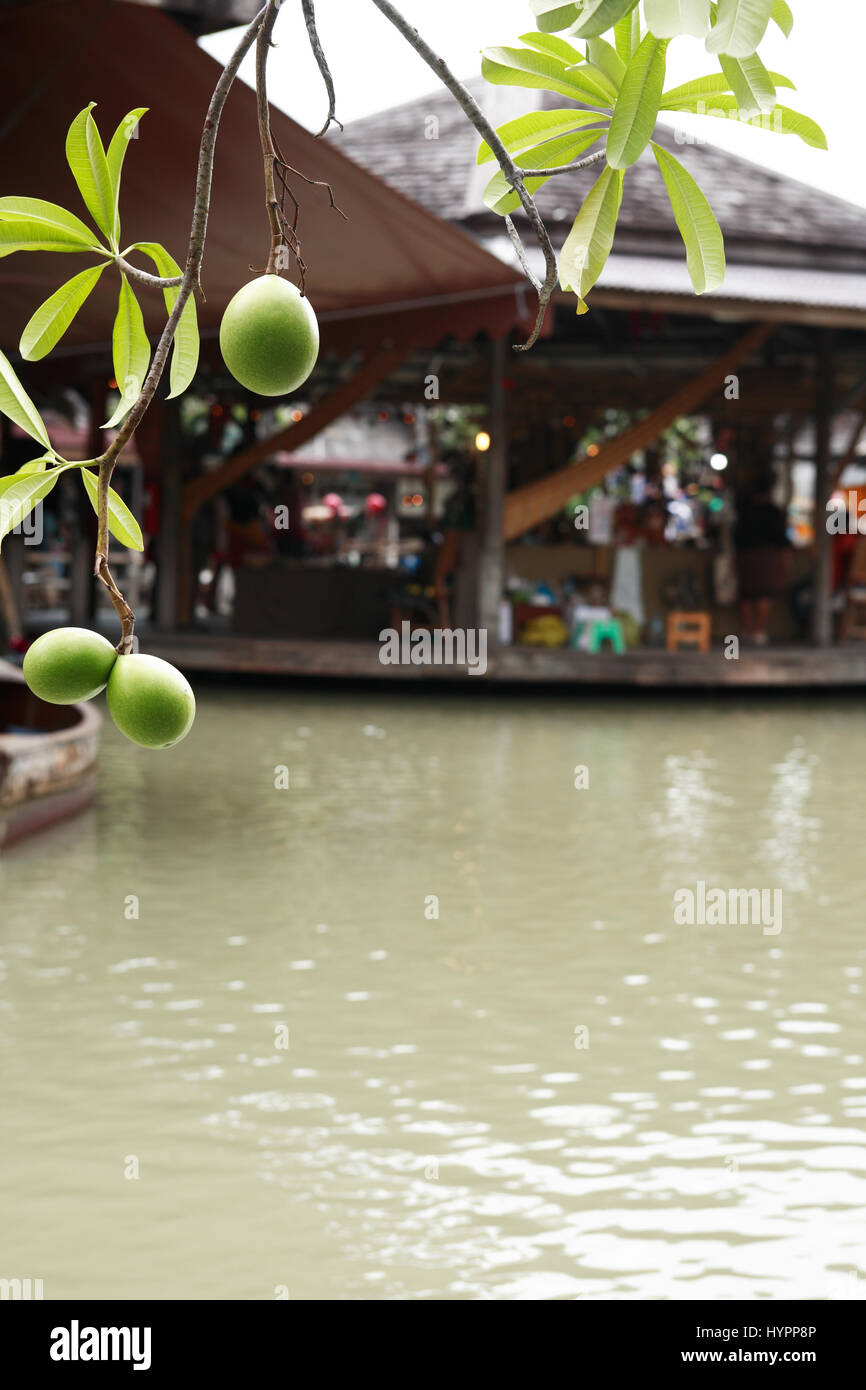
(822, 616)
(853, 444)
(323, 413)
(491, 575)
(534, 503)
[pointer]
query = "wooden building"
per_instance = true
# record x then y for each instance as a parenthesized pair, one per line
(421, 282)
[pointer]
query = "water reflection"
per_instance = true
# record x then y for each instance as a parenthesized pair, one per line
(509, 1073)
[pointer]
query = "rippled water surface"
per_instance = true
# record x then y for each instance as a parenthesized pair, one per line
(551, 1090)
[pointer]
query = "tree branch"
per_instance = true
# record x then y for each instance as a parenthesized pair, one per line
(190, 280)
(156, 282)
(513, 174)
(566, 168)
(319, 55)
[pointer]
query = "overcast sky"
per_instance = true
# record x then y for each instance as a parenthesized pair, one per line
(374, 68)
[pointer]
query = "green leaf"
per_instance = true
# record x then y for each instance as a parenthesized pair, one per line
(553, 15)
(589, 242)
(121, 523)
(15, 402)
(50, 222)
(783, 17)
(558, 48)
(627, 35)
(126, 131)
(527, 131)
(780, 121)
(38, 465)
(597, 16)
(34, 236)
(518, 67)
(711, 86)
(86, 158)
(602, 55)
(130, 350)
(185, 350)
(637, 106)
(501, 198)
(739, 27)
(669, 18)
(750, 82)
(18, 500)
(51, 320)
(705, 246)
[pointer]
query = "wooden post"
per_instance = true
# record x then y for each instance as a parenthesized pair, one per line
(82, 543)
(822, 617)
(170, 539)
(491, 571)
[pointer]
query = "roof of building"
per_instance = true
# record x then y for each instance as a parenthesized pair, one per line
(427, 148)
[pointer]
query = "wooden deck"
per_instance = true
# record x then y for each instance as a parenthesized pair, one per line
(776, 666)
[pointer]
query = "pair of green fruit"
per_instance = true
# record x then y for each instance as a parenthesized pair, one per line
(148, 698)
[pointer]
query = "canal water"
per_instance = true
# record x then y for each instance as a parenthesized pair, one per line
(423, 1024)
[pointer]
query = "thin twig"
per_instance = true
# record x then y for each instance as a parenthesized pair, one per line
(566, 168)
(520, 249)
(190, 280)
(513, 174)
(263, 44)
(319, 55)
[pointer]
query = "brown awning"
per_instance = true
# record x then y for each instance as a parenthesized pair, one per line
(393, 270)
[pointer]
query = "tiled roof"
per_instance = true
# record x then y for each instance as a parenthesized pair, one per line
(766, 217)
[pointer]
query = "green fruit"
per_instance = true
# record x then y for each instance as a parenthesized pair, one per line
(68, 664)
(150, 701)
(269, 337)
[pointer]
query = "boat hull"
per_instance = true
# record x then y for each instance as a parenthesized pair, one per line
(48, 757)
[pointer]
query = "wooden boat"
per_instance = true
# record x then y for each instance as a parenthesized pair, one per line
(47, 758)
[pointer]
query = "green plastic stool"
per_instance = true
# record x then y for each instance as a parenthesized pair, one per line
(608, 630)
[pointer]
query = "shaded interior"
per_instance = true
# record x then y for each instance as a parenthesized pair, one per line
(21, 711)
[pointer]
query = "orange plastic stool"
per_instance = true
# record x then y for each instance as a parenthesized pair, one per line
(690, 631)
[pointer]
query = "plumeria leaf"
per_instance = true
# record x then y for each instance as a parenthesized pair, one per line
(31, 224)
(701, 233)
(589, 242)
(750, 83)
(130, 350)
(597, 16)
(121, 523)
(126, 131)
(15, 402)
(637, 106)
(184, 357)
(627, 35)
(548, 43)
(520, 67)
(669, 18)
(19, 498)
(740, 25)
(525, 132)
(783, 17)
(86, 158)
(552, 15)
(51, 320)
(711, 86)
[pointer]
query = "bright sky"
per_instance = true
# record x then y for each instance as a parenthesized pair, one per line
(373, 68)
